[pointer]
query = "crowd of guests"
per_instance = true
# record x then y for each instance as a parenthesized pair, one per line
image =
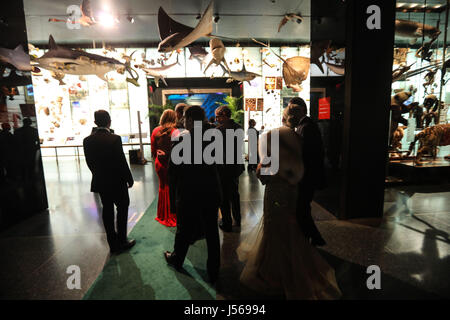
(279, 253)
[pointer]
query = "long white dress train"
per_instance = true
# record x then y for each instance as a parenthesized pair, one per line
(279, 260)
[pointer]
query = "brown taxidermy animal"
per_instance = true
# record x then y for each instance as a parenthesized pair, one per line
(429, 139)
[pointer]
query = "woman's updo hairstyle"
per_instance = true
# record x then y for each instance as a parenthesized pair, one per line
(294, 112)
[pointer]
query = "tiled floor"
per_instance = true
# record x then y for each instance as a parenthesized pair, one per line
(411, 244)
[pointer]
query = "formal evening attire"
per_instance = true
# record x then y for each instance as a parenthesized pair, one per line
(252, 132)
(197, 197)
(279, 259)
(229, 177)
(313, 179)
(161, 145)
(111, 178)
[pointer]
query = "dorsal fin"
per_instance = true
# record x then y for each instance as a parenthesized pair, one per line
(51, 43)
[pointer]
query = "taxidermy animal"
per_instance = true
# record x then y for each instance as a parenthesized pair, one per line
(78, 62)
(175, 35)
(414, 30)
(198, 53)
(218, 53)
(87, 18)
(338, 69)
(431, 138)
(241, 76)
(317, 51)
(424, 52)
(429, 79)
(288, 17)
(157, 72)
(398, 107)
(397, 73)
(397, 138)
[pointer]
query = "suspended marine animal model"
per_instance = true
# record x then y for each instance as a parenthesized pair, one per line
(218, 54)
(336, 68)
(78, 62)
(16, 58)
(175, 35)
(317, 50)
(241, 76)
(415, 30)
(198, 53)
(429, 139)
(87, 18)
(295, 69)
(157, 73)
(289, 17)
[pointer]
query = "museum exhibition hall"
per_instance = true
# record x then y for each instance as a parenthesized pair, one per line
(372, 75)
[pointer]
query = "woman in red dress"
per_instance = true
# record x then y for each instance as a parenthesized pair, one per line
(161, 145)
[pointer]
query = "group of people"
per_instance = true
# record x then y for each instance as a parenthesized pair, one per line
(18, 150)
(279, 252)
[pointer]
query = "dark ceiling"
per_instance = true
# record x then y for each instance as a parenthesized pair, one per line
(239, 19)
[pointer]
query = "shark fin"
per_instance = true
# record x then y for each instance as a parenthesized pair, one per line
(164, 80)
(157, 81)
(51, 43)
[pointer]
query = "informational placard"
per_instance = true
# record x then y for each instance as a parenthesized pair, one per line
(324, 108)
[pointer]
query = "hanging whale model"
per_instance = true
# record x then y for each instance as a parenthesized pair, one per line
(69, 61)
(414, 30)
(157, 72)
(240, 76)
(175, 35)
(218, 54)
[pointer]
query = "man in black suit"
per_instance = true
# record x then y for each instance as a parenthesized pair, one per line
(111, 178)
(196, 199)
(229, 173)
(314, 176)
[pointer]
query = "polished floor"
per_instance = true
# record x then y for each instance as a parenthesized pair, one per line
(411, 244)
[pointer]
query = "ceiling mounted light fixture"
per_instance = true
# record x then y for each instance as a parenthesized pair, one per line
(130, 19)
(216, 18)
(198, 17)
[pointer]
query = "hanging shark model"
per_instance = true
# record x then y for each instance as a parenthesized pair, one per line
(218, 54)
(17, 58)
(240, 76)
(69, 61)
(414, 30)
(199, 54)
(157, 72)
(175, 35)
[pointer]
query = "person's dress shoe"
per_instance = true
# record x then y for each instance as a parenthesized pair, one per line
(318, 242)
(224, 228)
(128, 244)
(170, 259)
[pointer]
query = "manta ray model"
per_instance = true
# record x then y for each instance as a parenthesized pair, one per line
(218, 54)
(63, 61)
(241, 76)
(414, 30)
(175, 35)
(157, 72)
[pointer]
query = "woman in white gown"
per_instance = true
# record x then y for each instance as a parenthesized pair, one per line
(279, 259)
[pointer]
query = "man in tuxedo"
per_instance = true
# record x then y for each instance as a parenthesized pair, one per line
(111, 178)
(229, 173)
(314, 176)
(196, 201)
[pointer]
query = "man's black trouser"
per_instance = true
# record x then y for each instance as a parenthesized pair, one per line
(115, 196)
(304, 217)
(189, 219)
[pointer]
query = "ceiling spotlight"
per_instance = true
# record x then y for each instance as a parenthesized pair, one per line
(106, 19)
(198, 17)
(216, 18)
(131, 19)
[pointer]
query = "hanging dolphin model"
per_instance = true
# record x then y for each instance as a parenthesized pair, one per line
(241, 76)
(218, 54)
(69, 61)
(16, 58)
(157, 72)
(175, 35)
(414, 30)
(86, 20)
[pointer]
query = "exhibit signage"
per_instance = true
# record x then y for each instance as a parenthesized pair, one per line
(324, 108)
